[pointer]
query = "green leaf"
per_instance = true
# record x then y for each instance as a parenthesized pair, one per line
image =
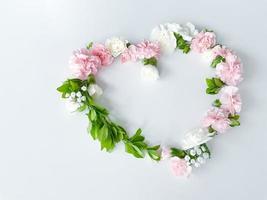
(234, 123)
(154, 147)
(134, 150)
(210, 83)
(103, 133)
(82, 108)
(93, 130)
(236, 117)
(217, 103)
(178, 152)
(154, 154)
(186, 49)
(92, 115)
(217, 60)
(214, 85)
(150, 61)
(64, 88)
(211, 130)
(218, 82)
(91, 79)
(181, 43)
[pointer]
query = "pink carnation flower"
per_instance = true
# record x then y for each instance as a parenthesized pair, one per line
(130, 54)
(82, 63)
(230, 99)
(142, 50)
(147, 49)
(203, 41)
(230, 71)
(179, 167)
(219, 50)
(103, 53)
(217, 118)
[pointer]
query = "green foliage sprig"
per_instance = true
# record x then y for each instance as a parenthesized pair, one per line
(103, 129)
(213, 85)
(181, 43)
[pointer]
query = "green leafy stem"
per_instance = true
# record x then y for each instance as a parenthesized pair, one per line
(103, 129)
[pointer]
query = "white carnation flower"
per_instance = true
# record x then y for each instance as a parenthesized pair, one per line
(195, 137)
(165, 37)
(95, 90)
(72, 105)
(187, 31)
(149, 72)
(116, 46)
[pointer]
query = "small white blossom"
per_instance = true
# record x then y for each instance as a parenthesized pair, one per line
(116, 46)
(83, 88)
(83, 98)
(187, 158)
(205, 155)
(73, 94)
(198, 150)
(201, 160)
(192, 161)
(79, 94)
(192, 152)
(95, 90)
(149, 72)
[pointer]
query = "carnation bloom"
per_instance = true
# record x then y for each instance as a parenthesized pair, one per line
(179, 167)
(230, 99)
(217, 118)
(103, 53)
(187, 31)
(203, 41)
(130, 54)
(230, 71)
(115, 45)
(219, 50)
(83, 64)
(165, 37)
(147, 49)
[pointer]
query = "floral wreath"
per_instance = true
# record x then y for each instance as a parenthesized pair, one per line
(81, 91)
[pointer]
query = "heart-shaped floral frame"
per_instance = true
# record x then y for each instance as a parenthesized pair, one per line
(80, 92)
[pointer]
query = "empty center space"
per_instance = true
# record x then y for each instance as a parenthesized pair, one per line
(165, 109)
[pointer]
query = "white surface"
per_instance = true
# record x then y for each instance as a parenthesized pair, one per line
(46, 153)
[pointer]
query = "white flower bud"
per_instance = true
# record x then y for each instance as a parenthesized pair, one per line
(95, 90)
(73, 94)
(83, 98)
(83, 88)
(79, 94)
(192, 152)
(149, 72)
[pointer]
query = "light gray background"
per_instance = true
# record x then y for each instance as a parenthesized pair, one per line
(45, 153)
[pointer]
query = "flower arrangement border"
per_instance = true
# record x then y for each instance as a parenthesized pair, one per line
(81, 91)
